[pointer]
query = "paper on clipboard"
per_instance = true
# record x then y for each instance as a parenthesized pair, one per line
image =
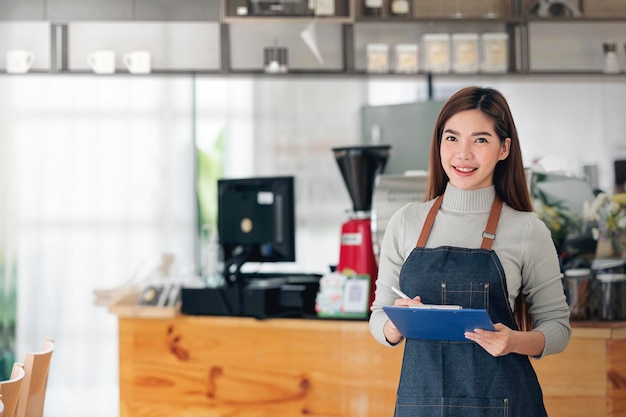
(437, 323)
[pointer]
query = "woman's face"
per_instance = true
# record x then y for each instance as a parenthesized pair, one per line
(470, 150)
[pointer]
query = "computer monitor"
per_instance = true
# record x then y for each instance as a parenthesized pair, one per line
(256, 222)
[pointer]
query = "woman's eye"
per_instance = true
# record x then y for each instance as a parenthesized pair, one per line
(450, 138)
(481, 140)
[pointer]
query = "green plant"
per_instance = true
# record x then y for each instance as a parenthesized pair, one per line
(210, 168)
(558, 218)
(8, 306)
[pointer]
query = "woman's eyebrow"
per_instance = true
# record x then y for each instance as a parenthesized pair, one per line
(454, 132)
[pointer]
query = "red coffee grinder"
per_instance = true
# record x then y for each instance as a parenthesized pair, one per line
(359, 166)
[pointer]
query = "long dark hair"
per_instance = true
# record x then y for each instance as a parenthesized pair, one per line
(509, 177)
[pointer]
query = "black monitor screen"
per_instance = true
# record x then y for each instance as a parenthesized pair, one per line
(256, 220)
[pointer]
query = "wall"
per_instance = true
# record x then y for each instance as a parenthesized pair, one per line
(272, 126)
(566, 122)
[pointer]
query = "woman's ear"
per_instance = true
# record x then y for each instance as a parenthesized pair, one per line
(505, 148)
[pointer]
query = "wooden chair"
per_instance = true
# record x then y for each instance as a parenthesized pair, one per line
(33, 392)
(10, 389)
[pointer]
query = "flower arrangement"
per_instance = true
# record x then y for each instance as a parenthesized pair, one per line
(608, 212)
(559, 220)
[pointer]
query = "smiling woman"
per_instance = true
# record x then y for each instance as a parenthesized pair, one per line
(476, 243)
(470, 149)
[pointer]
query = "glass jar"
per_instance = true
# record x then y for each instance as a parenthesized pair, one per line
(612, 296)
(578, 286)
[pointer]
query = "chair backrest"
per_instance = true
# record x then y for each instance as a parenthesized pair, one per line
(33, 393)
(10, 389)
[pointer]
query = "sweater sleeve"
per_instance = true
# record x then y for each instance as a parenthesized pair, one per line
(398, 241)
(542, 284)
(390, 263)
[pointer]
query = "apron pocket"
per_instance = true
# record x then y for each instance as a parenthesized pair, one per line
(470, 294)
(410, 406)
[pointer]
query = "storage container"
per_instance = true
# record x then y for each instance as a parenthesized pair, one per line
(465, 52)
(406, 55)
(377, 57)
(612, 296)
(578, 287)
(494, 52)
(436, 52)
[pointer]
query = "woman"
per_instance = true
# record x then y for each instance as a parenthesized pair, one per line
(512, 270)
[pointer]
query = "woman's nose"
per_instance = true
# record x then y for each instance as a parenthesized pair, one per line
(464, 150)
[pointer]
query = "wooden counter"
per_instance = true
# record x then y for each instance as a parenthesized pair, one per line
(191, 366)
(588, 378)
(231, 366)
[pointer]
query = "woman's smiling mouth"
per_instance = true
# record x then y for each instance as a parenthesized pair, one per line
(465, 170)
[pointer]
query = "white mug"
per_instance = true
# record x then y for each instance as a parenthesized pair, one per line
(102, 61)
(19, 61)
(137, 62)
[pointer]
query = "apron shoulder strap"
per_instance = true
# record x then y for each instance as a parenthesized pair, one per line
(488, 235)
(428, 224)
(492, 223)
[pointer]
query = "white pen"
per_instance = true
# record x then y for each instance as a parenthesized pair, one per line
(426, 306)
(400, 293)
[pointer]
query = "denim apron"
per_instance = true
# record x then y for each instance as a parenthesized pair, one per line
(460, 379)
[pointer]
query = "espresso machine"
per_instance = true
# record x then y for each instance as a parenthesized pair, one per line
(360, 166)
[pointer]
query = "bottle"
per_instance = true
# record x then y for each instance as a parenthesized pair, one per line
(399, 7)
(212, 257)
(373, 8)
(611, 63)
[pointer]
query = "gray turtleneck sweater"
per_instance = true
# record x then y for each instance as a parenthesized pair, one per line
(523, 244)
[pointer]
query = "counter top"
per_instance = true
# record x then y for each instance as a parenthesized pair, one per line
(613, 330)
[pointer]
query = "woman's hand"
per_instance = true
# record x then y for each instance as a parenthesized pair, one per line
(405, 302)
(498, 343)
(392, 334)
(503, 341)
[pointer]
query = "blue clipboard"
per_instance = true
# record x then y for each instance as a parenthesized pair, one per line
(436, 323)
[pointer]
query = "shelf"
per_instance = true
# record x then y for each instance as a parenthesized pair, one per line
(562, 73)
(324, 74)
(571, 20)
(290, 20)
(442, 19)
(287, 20)
(284, 11)
(123, 72)
(234, 44)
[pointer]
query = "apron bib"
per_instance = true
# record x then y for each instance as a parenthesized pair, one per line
(461, 379)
